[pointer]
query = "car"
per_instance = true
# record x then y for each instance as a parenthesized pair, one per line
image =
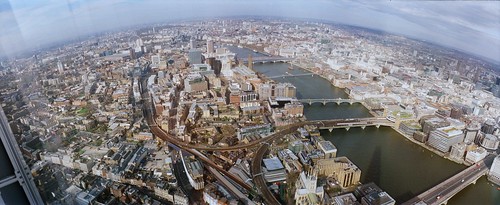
(463, 180)
(438, 197)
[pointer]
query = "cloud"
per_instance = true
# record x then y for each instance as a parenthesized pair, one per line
(469, 26)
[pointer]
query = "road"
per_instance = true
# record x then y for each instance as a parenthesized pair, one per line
(445, 190)
(258, 175)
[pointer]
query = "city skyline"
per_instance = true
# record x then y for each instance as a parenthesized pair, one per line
(472, 27)
(249, 102)
(252, 110)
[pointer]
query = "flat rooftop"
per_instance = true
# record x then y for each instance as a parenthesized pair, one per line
(272, 164)
(327, 146)
(450, 130)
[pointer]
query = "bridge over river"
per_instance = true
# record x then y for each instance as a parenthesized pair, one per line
(441, 193)
(324, 101)
(291, 75)
(268, 59)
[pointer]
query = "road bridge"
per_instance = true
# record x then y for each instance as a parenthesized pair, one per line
(441, 193)
(291, 75)
(350, 123)
(267, 59)
(324, 101)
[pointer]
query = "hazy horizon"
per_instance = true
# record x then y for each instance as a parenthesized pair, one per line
(472, 27)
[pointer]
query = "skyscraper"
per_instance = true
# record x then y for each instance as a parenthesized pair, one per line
(132, 53)
(191, 44)
(250, 61)
(194, 56)
(60, 67)
(16, 181)
(210, 46)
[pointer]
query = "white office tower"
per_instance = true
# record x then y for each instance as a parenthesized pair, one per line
(443, 138)
(155, 61)
(60, 67)
(16, 181)
(139, 42)
(494, 174)
(458, 151)
(226, 70)
(191, 44)
(210, 46)
(471, 132)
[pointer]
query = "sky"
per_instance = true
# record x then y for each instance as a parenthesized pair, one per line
(470, 26)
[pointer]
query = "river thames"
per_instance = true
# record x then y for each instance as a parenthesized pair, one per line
(398, 166)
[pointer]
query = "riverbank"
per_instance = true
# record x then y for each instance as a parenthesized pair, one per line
(407, 137)
(404, 169)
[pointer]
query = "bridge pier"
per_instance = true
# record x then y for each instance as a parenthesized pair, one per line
(310, 103)
(347, 128)
(378, 126)
(338, 102)
(363, 127)
(351, 102)
(330, 129)
(324, 103)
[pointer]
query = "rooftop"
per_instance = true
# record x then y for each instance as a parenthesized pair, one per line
(273, 164)
(327, 146)
(450, 131)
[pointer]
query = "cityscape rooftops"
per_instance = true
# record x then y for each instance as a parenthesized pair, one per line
(272, 164)
(450, 131)
(327, 146)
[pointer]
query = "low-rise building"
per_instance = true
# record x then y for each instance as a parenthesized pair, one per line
(490, 142)
(328, 148)
(274, 170)
(476, 155)
(420, 136)
(409, 127)
(371, 194)
(494, 174)
(195, 83)
(458, 151)
(345, 199)
(343, 170)
(443, 138)
(259, 130)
